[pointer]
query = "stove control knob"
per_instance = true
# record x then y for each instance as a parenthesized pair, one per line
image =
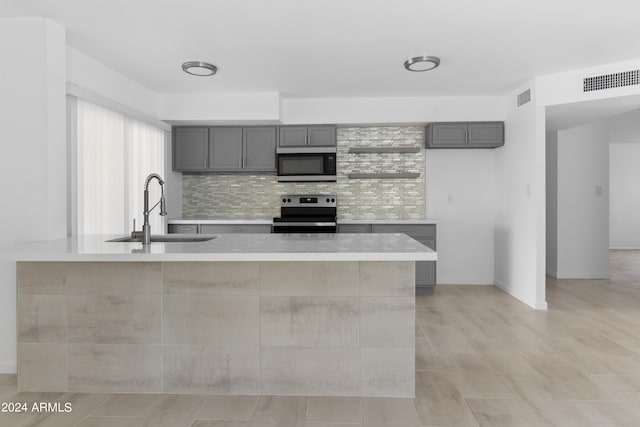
(289, 200)
(284, 200)
(333, 200)
(327, 200)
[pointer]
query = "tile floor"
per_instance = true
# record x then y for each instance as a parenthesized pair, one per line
(482, 359)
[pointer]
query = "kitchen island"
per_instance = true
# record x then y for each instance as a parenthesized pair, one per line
(277, 314)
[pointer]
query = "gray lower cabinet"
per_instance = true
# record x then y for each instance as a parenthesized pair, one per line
(190, 148)
(465, 135)
(425, 234)
(224, 149)
(183, 228)
(354, 228)
(306, 136)
(219, 228)
(234, 228)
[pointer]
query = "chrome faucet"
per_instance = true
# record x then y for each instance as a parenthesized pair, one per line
(146, 228)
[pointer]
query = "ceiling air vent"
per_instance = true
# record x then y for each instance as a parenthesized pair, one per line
(524, 97)
(609, 81)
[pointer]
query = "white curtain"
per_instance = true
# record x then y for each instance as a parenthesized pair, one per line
(114, 156)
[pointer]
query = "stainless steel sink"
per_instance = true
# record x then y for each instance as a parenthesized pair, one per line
(167, 238)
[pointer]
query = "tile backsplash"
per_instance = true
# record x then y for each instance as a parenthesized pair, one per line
(257, 195)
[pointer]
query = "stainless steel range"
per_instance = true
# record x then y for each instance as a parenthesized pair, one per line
(306, 214)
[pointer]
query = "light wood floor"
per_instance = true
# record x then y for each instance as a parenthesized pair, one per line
(482, 359)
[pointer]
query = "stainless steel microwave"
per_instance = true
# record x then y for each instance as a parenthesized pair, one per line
(307, 166)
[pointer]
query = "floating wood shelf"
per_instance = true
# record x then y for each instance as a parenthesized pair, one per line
(362, 150)
(398, 175)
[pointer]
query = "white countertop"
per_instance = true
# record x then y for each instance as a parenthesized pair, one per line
(233, 247)
(269, 221)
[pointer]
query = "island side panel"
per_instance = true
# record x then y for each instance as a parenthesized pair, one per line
(338, 328)
(91, 327)
(309, 328)
(211, 327)
(387, 328)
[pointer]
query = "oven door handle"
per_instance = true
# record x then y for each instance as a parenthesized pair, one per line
(302, 224)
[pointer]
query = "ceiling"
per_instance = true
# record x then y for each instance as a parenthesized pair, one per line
(331, 48)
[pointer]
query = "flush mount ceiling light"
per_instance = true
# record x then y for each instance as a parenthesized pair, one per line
(198, 68)
(422, 63)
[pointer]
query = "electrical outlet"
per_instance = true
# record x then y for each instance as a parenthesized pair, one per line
(599, 190)
(450, 197)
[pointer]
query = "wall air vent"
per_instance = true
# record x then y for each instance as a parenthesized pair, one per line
(609, 81)
(524, 97)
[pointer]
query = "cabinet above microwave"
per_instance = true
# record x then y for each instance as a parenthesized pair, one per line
(307, 136)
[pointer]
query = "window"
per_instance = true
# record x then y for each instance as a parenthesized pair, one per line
(113, 156)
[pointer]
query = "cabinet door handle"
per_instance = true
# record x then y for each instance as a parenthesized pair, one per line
(205, 162)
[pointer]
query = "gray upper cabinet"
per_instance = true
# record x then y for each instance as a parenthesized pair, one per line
(488, 135)
(303, 136)
(465, 135)
(259, 148)
(225, 148)
(321, 136)
(446, 135)
(292, 136)
(190, 148)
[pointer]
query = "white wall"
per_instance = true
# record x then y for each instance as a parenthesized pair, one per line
(624, 195)
(221, 108)
(172, 184)
(461, 196)
(552, 202)
(32, 119)
(624, 128)
(624, 185)
(95, 77)
(392, 110)
(251, 108)
(520, 217)
(583, 202)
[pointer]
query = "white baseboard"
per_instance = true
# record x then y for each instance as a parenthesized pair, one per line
(508, 289)
(552, 273)
(541, 305)
(624, 248)
(582, 275)
(465, 283)
(452, 279)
